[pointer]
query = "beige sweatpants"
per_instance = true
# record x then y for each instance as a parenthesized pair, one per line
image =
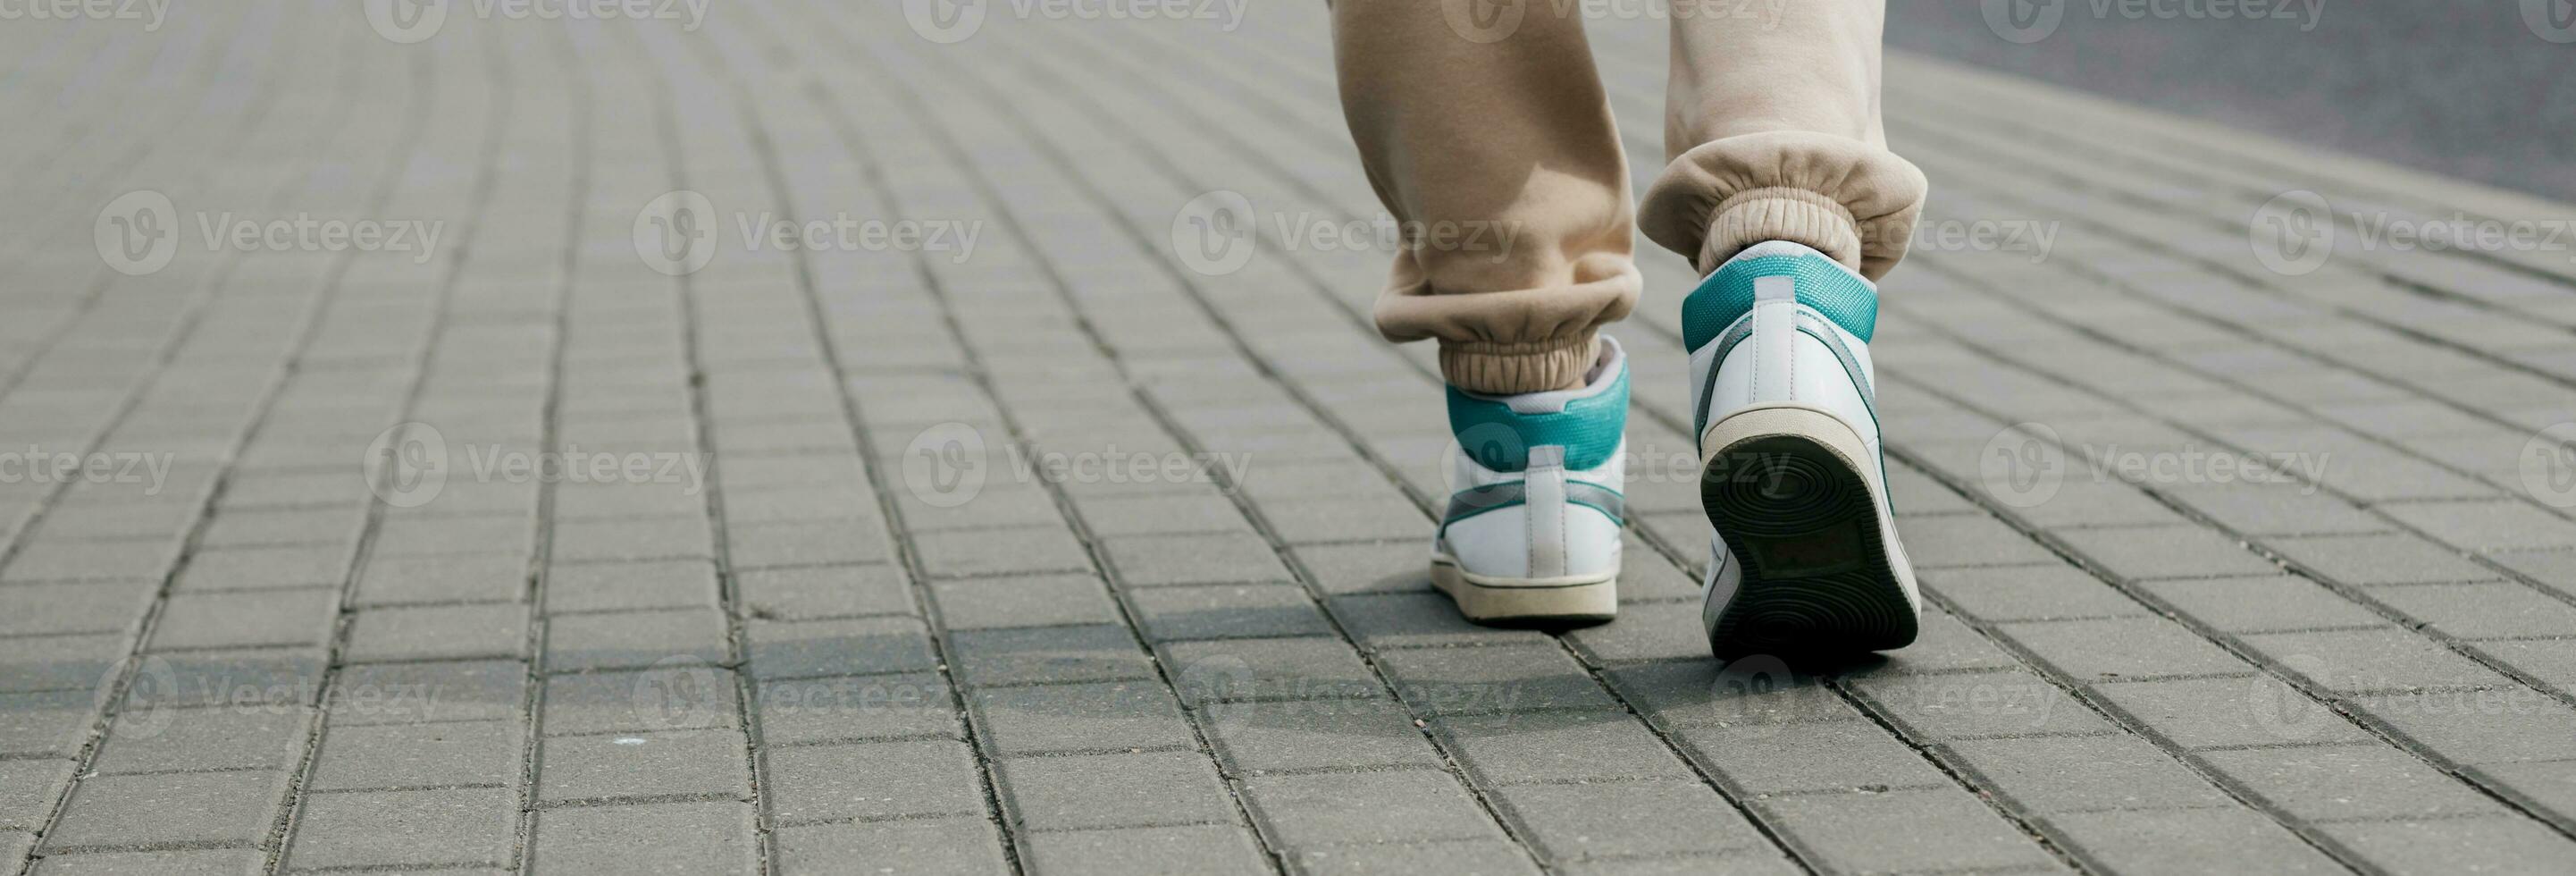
(1483, 121)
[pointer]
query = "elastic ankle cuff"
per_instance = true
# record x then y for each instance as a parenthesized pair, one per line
(1513, 369)
(1779, 213)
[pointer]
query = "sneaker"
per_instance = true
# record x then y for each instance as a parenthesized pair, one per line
(1805, 556)
(1532, 529)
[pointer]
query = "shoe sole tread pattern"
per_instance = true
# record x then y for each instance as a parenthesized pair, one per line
(1801, 518)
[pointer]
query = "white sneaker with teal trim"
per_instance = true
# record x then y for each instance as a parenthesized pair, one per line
(1806, 556)
(1532, 529)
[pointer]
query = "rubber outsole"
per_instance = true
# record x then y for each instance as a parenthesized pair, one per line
(1801, 517)
(1513, 602)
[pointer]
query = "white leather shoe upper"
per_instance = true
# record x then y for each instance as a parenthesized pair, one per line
(1537, 481)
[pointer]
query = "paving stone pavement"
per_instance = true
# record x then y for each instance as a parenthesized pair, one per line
(558, 499)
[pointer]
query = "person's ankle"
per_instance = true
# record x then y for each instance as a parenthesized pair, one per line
(1518, 369)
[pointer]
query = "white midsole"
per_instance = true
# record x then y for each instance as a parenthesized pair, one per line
(1482, 597)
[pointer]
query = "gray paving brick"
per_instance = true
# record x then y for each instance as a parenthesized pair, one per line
(1034, 655)
(822, 592)
(58, 560)
(1382, 567)
(2102, 650)
(2479, 726)
(873, 780)
(655, 837)
(202, 862)
(634, 640)
(2486, 526)
(1664, 632)
(2228, 712)
(213, 737)
(1162, 515)
(494, 630)
(1687, 693)
(1237, 670)
(1942, 643)
(1497, 679)
(1194, 849)
(2261, 509)
(405, 828)
(1939, 542)
(933, 847)
(2553, 569)
(1576, 822)
(28, 788)
(2264, 604)
(2485, 611)
(815, 649)
(2167, 552)
(1265, 737)
(2380, 559)
(631, 586)
(1023, 601)
(223, 808)
(57, 662)
(1144, 561)
(677, 763)
(1302, 811)
(407, 535)
(1226, 611)
(810, 710)
(2488, 845)
(2356, 661)
(1080, 717)
(265, 568)
(1414, 620)
(2188, 841)
(413, 580)
(457, 690)
(1903, 831)
(2086, 773)
(1001, 552)
(445, 753)
(1977, 704)
(658, 538)
(1157, 788)
(787, 545)
(677, 697)
(1482, 857)
(1772, 758)
(2346, 782)
(2019, 593)
(82, 607)
(247, 620)
(1557, 746)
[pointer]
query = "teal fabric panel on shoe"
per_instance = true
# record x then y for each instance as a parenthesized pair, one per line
(1824, 286)
(1499, 438)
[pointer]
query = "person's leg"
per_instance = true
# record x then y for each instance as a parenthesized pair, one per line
(1483, 124)
(1782, 189)
(1774, 134)
(1499, 126)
